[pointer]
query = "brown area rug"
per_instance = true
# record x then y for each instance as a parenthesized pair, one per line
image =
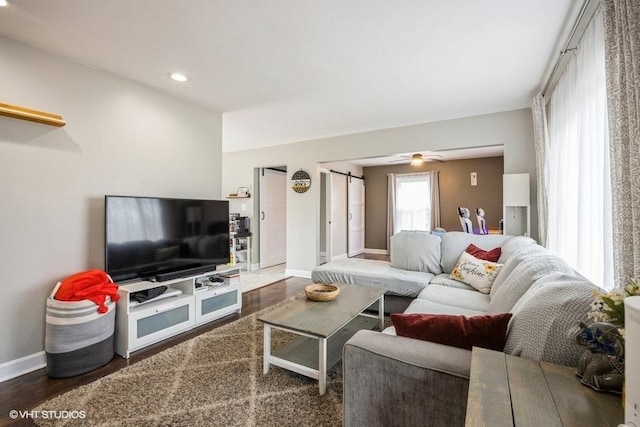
(214, 379)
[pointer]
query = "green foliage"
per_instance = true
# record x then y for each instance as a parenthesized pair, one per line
(609, 306)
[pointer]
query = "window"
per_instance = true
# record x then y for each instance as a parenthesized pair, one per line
(413, 202)
(579, 187)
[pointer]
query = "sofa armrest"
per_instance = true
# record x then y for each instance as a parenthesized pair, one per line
(398, 381)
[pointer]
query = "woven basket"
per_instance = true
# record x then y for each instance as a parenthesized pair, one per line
(321, 293)
(78, 339)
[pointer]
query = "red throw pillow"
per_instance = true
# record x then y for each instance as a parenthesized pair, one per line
(487, 331)
(493, 255)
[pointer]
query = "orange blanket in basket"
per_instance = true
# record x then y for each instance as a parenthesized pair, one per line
(94, 285)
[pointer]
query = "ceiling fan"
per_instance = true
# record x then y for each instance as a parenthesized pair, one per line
(418, 159)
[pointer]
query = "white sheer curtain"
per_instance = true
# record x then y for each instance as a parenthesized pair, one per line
(579, 187)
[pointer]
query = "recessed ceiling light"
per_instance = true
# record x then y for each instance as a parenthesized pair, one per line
(4, 3)
(175, 76)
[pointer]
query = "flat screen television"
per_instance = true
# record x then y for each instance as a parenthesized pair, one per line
(152, 238)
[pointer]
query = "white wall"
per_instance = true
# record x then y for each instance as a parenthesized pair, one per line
(121, 138)
(513, 129)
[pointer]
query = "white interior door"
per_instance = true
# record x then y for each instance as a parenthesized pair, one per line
(273, 217)
(355, 221)
(338, 216)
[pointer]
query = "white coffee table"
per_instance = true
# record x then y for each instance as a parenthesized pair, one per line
(322, 329)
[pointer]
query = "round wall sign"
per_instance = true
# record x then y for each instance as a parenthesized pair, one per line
(300, 181)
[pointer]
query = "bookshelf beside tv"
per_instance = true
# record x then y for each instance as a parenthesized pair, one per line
(201, 298)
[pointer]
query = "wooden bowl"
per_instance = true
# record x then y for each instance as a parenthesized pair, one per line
(321, 293)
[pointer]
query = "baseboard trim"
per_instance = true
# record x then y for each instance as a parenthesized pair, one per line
(376, 251)
(24, 365)
(305, 274)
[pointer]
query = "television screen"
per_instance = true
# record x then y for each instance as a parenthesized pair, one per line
(160, 238)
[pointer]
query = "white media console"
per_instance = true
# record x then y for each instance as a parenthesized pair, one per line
(193, 301)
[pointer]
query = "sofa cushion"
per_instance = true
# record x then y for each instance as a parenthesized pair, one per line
(545, 316)
(444, 280)
(416, 251)
(528, 270)
(493, 255)
(455, 242)
(487, 331)
(467, 299)
(420, 305)
(476, 272)
(369, 272)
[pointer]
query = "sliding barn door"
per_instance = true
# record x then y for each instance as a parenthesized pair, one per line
(338, 217)
(273, 217)
(355, 221)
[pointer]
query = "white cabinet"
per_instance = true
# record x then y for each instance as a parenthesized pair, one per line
(516, 204)
(188, 302)
(218, 300)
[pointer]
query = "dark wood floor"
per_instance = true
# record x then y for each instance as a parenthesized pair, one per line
(29, 390)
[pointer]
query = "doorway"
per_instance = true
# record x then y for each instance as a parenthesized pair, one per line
(338, 215)
(325, 217)
(355, 223)
(273, 216)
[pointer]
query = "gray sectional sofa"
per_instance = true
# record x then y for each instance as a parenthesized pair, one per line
(391, 380)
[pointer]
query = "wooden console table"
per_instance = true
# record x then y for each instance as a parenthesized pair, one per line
(510, 391)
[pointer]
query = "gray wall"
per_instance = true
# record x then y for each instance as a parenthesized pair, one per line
(455, 190)
(121, 138)
(513, 129)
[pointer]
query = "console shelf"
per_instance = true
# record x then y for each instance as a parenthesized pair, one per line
(202, 298)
